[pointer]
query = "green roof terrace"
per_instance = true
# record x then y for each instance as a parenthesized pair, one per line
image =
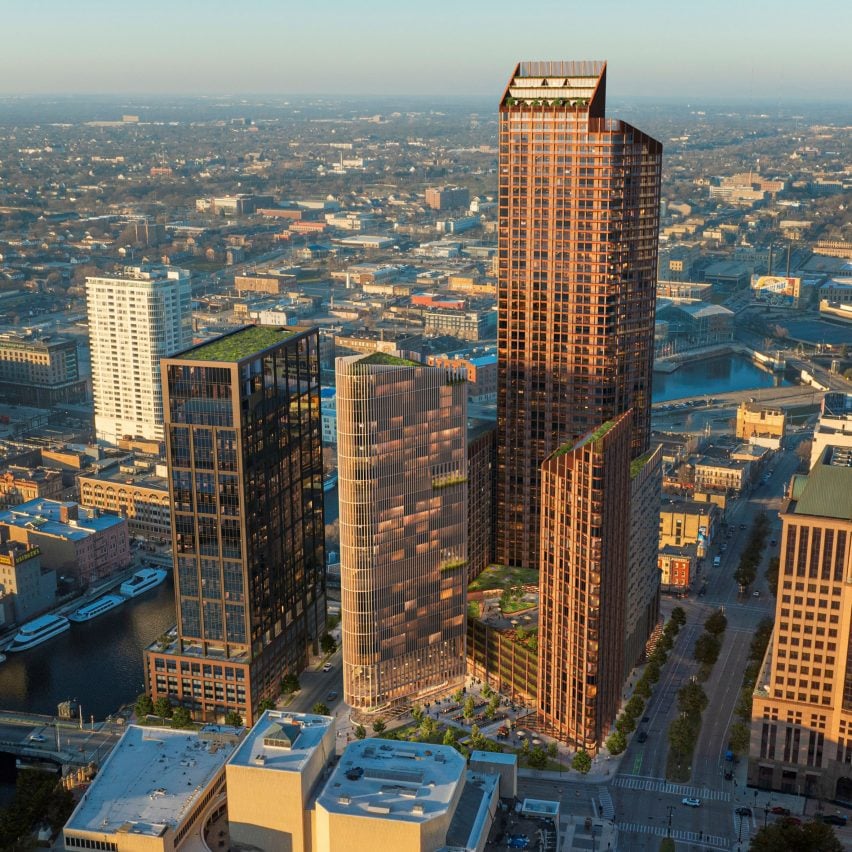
(240, 344)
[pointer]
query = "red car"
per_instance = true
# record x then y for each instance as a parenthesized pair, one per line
(779, 810)
(791, 820)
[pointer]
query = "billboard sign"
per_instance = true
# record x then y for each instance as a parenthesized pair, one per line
(776, 289)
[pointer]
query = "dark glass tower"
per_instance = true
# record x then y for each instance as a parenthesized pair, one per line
(578, 219)
(243, 428)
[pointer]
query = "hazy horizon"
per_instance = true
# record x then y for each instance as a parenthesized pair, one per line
(729, 50)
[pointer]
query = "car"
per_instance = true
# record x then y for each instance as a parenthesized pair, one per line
(642, 736)
(743, 812)
(779, 810)
(723, 547)
(331, 696)
(690, 802)
(755, 594)
(327, 667)
(833, 819)
(742, 526)
(36, 738)
(791, 820)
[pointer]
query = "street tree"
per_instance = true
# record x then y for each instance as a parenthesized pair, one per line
(707, 649)
(581, 762)
(691, 698)
(740, 737)
(616, 742)
(716, 623)
(320, 709)
(182, 719)
(360, 732)
(379, 726)
(290, 684)
(787, 836)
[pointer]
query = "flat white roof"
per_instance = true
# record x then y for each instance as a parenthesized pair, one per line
(385, 779)
(281, 741)
(151, 780)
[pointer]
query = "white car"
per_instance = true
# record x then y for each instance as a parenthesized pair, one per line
(36, 738)
(327, 667)
(690, 802)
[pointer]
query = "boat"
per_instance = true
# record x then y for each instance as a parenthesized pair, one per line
(37, 631)
(330, 482)
(141, 581)
(96, 608)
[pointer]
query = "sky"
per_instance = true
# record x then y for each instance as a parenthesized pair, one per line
(692, 49)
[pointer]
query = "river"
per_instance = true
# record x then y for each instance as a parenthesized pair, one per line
(711, 376)
(98, 663)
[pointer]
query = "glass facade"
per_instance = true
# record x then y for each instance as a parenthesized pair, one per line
(578, 222)
(245, 463)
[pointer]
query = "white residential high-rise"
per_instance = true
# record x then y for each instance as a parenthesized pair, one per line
(136, 317)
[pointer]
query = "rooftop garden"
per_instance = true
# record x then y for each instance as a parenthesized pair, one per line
(501, 577)
(637, 464)
(382, 359)
(231, 348)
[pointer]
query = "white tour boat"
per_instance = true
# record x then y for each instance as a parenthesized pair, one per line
(96, 608)
(37, 631)
(141, 581)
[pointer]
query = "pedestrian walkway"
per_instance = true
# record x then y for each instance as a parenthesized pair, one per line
(607, 807)
(694, 838)
(660, 785)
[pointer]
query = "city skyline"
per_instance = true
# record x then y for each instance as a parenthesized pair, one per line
(743, 51)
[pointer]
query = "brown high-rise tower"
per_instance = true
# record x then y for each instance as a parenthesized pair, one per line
(579, 216)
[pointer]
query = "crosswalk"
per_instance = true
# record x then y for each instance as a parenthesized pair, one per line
(607, 807)
(660, 785)
(695, 838)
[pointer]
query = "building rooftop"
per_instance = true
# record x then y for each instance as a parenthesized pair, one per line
(471, 820)
(826, 492)
(44, 515)
(152, 779)
(242, 343)
(282, 742)
(412, 782)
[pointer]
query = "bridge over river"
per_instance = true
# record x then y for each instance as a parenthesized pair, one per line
(35, 739)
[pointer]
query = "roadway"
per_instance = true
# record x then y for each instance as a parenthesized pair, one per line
(644, 801)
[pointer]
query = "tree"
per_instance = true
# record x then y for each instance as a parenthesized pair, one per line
(469, 707)
(803, 452)
(679, 616)
(182, 719)
(144, 706)
(290, 684)
(320, 709)
(581, 762)
(265, 704)
(634, 706)
(537, 758)
(428, 728)
(233, 719)
(786, 836)
(450, 737)
(616, 742)
(417, 713)
(691, 698)
(379, 726)
(707, 649)
(643, 688)
(772, 574)
(652, 671)
(163, 708)
(360, 732)
(552, 750)
(716, 623)
(458, 696)
(327, 644)
(477, 740)
(740, 737)
(487, 691)
(625, 724)
(682, 735)
(493, 704)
